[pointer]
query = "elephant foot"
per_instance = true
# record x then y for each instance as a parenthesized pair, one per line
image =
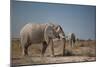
(52, 56)
(63, 55)
(42, 55)
(25, 55)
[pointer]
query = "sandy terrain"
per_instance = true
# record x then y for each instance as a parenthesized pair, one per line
(81, 52)
(46, 60)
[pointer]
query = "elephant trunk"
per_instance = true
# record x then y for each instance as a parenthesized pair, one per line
(64, 44)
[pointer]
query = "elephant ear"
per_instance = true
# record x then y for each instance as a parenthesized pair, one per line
(48, 33)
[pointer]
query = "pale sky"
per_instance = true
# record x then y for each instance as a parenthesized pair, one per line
(78, 19)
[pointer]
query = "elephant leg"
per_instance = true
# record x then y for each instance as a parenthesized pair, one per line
(64, 41)
(52, 48)
(25, 50)
(43, 48)
(72, 43)
(68, 42)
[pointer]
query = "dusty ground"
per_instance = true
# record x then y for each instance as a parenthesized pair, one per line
(48, 60)
(81, 52)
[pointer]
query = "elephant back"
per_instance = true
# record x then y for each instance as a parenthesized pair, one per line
(33, 32)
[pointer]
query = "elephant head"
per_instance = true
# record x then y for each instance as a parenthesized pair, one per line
(59, 33)
(53, 31)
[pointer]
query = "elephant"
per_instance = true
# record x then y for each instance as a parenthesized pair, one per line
(72, 39)
(33, 33)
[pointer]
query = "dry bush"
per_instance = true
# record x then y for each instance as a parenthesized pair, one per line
(15, 48)
(82, 48)
(87, 43)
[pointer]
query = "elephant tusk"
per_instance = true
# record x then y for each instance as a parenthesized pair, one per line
(61, 36)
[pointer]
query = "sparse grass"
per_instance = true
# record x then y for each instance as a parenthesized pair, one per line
(82, 48)
(87, 44)
(15, 48)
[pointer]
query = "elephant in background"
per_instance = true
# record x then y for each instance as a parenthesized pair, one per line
(71, 39)
(41, 33)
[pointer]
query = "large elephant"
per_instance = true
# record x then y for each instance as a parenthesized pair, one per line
(72, 39)
(41, 33)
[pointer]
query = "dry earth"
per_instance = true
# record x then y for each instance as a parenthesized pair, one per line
(81, 52)
(49, 60)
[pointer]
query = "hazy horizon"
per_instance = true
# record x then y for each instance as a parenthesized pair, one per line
(79, 19)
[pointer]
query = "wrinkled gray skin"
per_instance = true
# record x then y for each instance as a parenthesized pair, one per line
(40, 33)
(72, 39)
